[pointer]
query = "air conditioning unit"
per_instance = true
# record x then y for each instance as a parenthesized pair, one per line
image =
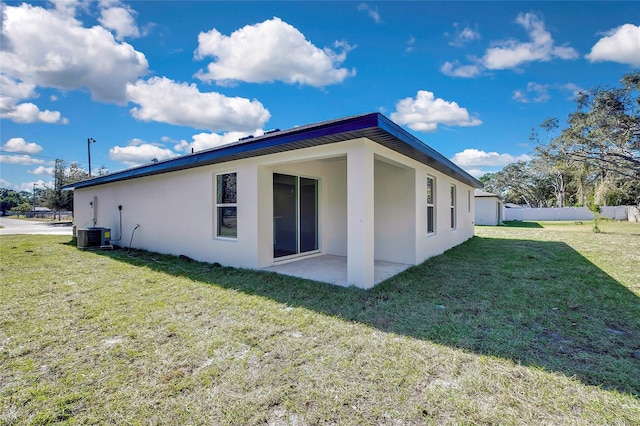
(94, 238)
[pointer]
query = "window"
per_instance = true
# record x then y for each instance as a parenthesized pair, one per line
(469, 200)
(430, 205)
(226, 205)
(453, 206)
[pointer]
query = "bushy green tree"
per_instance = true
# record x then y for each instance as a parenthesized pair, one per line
(8, 200)
(521, 183)
(57, 199)
(600, 144)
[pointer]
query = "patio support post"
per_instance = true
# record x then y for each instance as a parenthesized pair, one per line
(360, 215)
(263, 194)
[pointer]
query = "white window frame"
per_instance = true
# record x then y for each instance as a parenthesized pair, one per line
(454, 218)
(219, 205)
(431, 205)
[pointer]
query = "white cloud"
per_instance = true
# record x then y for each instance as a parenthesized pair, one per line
(620, 44)
(24, 186)
(30, 113)
(68, 7)
(41, 170)
(371, 11)
(535, 92)
(139, 152)
(12, 92)
(511, 53)
(52, 49)
(28, 186)
(573, 88)
(476, 173)
(410, 44)
(454, 69)
(476, 158)
(120, 19)
(463, 36)
(425, 113)
(21, 146)
(269, 51)
(166, 101)
(24, 160)
(539, 93)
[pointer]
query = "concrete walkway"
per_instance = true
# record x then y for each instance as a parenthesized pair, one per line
(333, 269)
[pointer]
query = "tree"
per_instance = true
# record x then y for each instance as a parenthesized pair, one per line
(8, 200)
(604, 131)
(57, 199)
(596, 157)
(521, 183)
(23, 208)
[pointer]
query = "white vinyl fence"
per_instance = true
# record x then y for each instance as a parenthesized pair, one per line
(630, 213)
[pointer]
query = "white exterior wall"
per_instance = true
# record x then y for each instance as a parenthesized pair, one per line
(487, 211)
(386, 221)
(176, 210)
(394, 213)
(444, 237)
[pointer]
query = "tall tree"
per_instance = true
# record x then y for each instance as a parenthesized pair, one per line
(521, 183)
(56, 198)
(8, 200)
(596, 157)
(604, 131)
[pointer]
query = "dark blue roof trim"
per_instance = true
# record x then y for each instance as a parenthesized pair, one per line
(374, 126)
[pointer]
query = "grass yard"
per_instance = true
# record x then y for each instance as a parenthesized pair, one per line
(530, 323)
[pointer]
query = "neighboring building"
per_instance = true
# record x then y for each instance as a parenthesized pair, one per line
(360, 189)
(488, 208)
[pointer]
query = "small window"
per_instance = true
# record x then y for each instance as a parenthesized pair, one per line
(430, 205)
(226, 205)
(453, 206)
(469, 200)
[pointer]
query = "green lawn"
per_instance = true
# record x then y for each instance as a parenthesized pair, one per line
(524, 324)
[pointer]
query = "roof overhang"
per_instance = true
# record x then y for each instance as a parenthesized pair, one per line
(374, 126)
(484, 194)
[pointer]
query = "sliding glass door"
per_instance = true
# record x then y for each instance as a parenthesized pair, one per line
(295, 215)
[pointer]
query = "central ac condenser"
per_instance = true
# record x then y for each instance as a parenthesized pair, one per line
(94, 238)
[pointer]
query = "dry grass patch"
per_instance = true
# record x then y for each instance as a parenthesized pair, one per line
(101, 337)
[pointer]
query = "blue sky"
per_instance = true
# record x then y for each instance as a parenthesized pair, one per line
(156, 79)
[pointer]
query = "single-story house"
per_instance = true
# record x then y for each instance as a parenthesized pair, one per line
(358, 199)
(488, 208)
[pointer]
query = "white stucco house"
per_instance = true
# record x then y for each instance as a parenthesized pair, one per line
(360, 192)
(488, 208)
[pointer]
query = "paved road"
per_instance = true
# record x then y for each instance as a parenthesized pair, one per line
(18, 226)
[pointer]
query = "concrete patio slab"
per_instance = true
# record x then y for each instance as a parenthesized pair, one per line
(333, 269)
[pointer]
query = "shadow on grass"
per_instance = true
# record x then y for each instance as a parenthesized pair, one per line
(521, 224)
(536, 303)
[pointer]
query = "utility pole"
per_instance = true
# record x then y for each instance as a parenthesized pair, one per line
(59, 178)
(34, 196)
(89, 141)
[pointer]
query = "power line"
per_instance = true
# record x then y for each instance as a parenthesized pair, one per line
(79, 162)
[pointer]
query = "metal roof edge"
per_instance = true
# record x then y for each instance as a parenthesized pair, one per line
(205, 157)
(260, 145)
(448, 167)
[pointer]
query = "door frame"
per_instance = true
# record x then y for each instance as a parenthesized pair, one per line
(316, 251)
